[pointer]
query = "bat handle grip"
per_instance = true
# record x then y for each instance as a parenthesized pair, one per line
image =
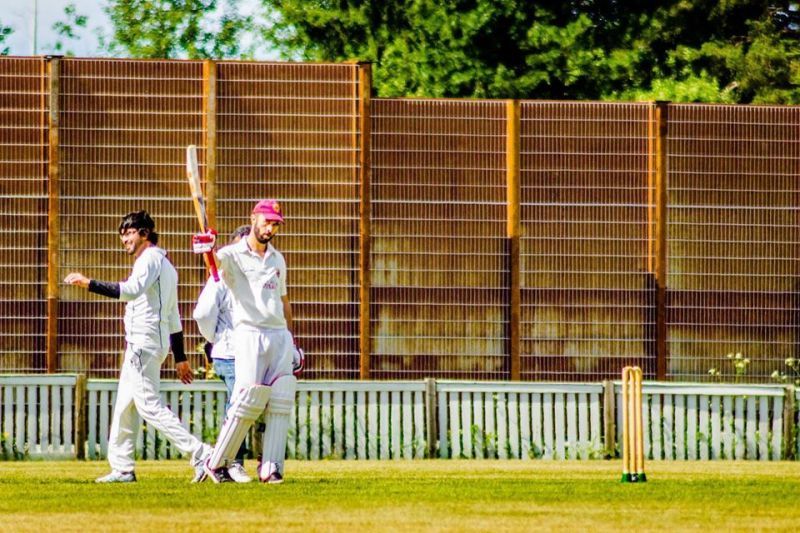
(212, 266)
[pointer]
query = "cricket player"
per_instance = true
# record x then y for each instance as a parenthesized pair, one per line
(152, 327)
(255, 273)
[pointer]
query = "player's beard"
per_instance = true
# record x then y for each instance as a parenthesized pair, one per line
(262, 237)
(131, 247)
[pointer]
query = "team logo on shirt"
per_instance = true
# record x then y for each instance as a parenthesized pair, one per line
(271, 285)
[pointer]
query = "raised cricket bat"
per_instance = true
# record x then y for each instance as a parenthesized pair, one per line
(193, 175)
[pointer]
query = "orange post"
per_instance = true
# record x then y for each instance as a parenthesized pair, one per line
(53, 220)
(210, 128)
(365, 214)
(513, 234)
(661, 115)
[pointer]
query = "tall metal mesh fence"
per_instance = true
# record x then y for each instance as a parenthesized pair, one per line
(439, 249)
(290, 132)
(587, 295)
(734, 240)
(23, 226)
(124, 130)
(440, 256)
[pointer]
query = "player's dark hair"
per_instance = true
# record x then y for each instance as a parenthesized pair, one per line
(241, 231)
(142, 221)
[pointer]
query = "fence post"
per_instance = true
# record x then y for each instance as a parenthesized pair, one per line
(660, 236)
(365, 214)
(80, 417)
(210, 128)
(513, 234)
(53, 220)
(609, 419)
(430, 416)
(789, 414)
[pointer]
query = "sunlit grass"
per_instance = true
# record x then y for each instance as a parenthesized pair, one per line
(419, 495)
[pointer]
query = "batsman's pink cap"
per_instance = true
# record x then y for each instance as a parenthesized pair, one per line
(271, 210)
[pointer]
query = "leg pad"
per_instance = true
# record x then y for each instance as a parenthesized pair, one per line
(244, 410)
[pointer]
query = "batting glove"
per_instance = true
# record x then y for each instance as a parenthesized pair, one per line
(298, 361)
(203, 243)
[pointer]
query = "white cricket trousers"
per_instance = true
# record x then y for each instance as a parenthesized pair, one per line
(262, 355)
(139, 386)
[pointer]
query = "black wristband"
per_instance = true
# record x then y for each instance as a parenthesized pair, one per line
(176, 343)
(104, 288)
(207, 347)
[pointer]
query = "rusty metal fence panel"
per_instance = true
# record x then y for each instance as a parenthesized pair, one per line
(440, 287)
(734, 239)
(587, 295)
(439, 254)
(290, 131)
(23, 228)
(124, 127)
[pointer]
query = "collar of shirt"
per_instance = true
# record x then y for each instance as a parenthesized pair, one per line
(244, 248)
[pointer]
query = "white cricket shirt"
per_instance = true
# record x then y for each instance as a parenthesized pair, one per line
(151, 291)
(256, 285)
(213, 315)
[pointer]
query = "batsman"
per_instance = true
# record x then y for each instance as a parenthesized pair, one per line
(255, 273)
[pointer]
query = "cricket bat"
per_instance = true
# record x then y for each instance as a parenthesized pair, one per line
(193, 175)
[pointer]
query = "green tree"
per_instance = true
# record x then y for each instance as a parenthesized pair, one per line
(5, 31)
(680, 50)
(192, 29)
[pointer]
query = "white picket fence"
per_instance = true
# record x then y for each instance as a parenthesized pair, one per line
(519, 420)
(358, 420)
(43, 416)
(700, 421)
(38, 415)
(200, 406)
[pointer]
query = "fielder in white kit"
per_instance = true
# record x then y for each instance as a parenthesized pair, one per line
(255, 273)
(152, 326)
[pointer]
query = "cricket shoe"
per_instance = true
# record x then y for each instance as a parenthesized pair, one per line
(117, 477)
(238, 473)
(217, 475)
(198, 460)
(270, 474)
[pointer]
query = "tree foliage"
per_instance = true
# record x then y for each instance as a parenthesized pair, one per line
(68, 29)
(193, 29)
(680, 50)
(5, 31)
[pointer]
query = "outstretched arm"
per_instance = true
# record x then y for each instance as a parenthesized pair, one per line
(103, 288)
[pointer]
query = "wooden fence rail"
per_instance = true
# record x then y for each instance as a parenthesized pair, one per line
(44, 416)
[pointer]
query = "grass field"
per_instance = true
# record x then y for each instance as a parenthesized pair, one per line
(419, 495)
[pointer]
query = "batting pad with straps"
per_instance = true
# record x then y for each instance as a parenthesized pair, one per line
(277, 420)
(245, 409)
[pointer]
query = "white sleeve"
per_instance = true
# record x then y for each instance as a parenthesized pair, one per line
(282, 279)
(175, 321)
(206, 313)
(145, 272)
(226, 263)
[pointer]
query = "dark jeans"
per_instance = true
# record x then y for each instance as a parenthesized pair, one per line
(224, 368)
